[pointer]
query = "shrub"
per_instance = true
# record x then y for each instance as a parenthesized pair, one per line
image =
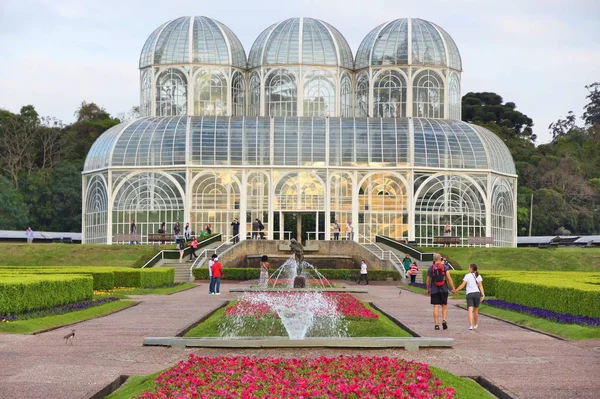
(156, 277)
(330, 274)
(27, 292)
(103, 279)
(128, 277)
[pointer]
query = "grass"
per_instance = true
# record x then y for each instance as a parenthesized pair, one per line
(382, 327)
(465, 388)
(568, 331)
(30, 326)
(134, 386)
(124, 292)
(559, 259)
(76, 254)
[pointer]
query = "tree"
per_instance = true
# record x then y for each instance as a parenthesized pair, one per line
(18, 134)
(561, 127)
(13, 212)
(92, 121)
(90, 112)
(591, 116)
(549, 211)
(482, 108)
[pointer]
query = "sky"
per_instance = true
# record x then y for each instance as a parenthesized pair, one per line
(539, 54)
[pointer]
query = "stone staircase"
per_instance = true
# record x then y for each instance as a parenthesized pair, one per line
(382, 250)
(182, 270)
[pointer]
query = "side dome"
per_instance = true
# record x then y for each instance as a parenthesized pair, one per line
(390, 44)
(211, 43)
(298, 41)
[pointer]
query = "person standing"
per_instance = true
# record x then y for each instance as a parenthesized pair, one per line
(181, 248)
(414, 269)
(447, 230)
(363, 272)
(475, 294)
(264, 271)
(211, 285)
(162, 230)
(438, 279)
(406, 263)
(193, 247)
(29, 235)
(261, 230)
(217, 272)
(350, 230)
(176, 232)
(133, 233)
(208, 229)
(336, 230)
(255, 226)
(187, 232)
(236, 230)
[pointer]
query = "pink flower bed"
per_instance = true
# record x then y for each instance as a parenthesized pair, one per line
(346, 304)
(323, 377)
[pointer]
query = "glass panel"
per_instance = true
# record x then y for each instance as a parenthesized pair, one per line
(428, 95)
(210, 92)
(362, 95)
(281, 93)
(238, 94)
(319, 94)
(389, 95)
(171, 93)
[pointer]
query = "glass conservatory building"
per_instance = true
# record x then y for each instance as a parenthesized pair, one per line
(301, 131)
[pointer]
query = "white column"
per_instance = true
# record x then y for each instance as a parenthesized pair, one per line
(83, 209)
(109, 216)
(488, 207)
(243, 204)
(355, 189)
(411, 205)
(515, 212)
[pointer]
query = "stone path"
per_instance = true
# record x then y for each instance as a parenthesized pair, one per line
(523, 363)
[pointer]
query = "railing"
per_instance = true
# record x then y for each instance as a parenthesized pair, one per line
(316, 234)
(160, 255)
(204, 254)
(287, 235)
(414, 253)
(381, 254)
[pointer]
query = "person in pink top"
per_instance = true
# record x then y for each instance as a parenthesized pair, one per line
(193, 247)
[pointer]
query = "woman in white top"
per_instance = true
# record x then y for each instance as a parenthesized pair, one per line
(363, 272)
(475, 294)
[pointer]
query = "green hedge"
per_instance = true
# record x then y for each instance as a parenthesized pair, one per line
(24, 293)
(331, 274)
(105, 278)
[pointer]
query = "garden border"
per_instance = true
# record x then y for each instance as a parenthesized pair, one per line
(463, 307)
(395, 321)
(201, 320)
(132, 304)
(490, 387)
(111, 387)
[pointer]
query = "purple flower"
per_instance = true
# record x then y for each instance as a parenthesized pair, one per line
(419, 285)
(564, 318)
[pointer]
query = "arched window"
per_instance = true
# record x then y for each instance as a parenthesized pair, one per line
(238, 94)
(389, 95)
(146, 92)
(454, 99)
(96, 211)
(346, 96)
(502, 213)
(362, 95)
(171, 93)
(428, 95)
(210, 92)
(319, 94)
(281, 94)
(254, 93)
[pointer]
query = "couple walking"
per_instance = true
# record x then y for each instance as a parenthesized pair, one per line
(438, 283)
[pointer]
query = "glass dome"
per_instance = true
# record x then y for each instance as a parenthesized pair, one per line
(436, 143)
(211, 43)
(298, 41)
(390, 44)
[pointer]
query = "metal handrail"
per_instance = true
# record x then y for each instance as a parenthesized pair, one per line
(162, 252)
(204, 253)
(368, 241)
(396, 263)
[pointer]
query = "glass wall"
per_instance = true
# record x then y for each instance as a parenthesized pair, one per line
(171, 93)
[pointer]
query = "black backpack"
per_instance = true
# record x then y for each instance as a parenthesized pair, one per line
(439, 274)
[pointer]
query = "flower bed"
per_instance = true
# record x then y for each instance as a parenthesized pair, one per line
(545, 314)
(346, 304)
(72, 307)
(322, 377)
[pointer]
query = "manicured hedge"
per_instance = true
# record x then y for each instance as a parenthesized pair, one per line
(105, 278)
(24, 293)
(331, 274)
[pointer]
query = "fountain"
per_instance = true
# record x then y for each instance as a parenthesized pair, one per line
(297, 271)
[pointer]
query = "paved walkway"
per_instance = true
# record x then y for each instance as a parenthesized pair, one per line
(523, 363)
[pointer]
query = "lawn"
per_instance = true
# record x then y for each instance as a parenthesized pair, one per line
(76, 254)
(42, 323)
(465, 388)
(568, 331)
(268, 326)
(124, 292)
(558, 259)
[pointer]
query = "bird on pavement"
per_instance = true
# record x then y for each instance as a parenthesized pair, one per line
(69, 337)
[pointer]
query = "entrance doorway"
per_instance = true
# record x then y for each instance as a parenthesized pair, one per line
(301, 226)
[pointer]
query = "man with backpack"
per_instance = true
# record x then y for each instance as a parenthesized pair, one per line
(438, 279)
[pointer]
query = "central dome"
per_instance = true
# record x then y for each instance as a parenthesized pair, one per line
(390, 44)
(297, 41)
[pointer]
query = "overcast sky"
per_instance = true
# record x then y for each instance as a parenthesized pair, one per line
(57, 53)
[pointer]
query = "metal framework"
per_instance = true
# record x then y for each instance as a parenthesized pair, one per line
(301, 127)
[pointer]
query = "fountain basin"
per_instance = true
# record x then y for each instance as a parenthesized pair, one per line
(414, 343)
